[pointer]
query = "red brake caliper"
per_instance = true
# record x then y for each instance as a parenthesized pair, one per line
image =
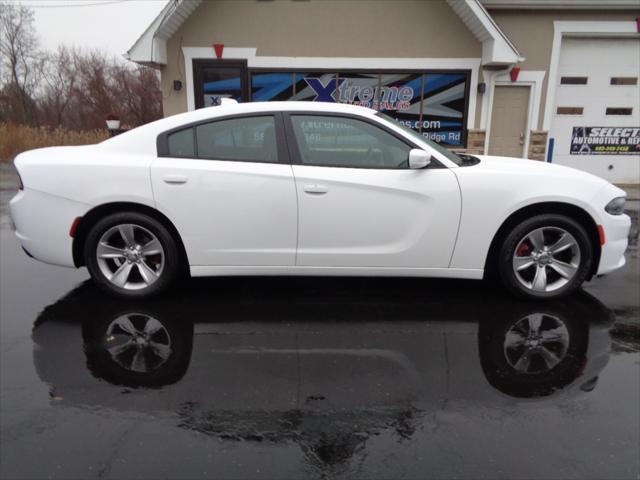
(523, 249)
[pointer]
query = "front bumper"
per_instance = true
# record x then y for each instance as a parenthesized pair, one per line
(616, 231)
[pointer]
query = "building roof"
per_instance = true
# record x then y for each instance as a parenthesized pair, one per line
(561, 4)
(151, 48)
(497, 49)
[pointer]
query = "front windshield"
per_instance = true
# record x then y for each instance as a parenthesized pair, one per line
(421, 138)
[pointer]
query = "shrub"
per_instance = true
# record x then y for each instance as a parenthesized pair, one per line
(15, 138)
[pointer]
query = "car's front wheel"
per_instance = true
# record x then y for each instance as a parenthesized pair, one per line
(131, 255)
(546, 256)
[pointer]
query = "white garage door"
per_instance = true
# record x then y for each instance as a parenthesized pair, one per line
(596, 119)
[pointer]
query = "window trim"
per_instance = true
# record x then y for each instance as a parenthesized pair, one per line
(294, 147)
(162, 140)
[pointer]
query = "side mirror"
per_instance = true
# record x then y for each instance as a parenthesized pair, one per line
(419, 159)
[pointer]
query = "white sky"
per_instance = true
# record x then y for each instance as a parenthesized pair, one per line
(111, 25)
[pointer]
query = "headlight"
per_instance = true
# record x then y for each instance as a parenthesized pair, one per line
(616, 206)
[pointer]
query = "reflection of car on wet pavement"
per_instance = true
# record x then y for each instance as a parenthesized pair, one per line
(319, 368)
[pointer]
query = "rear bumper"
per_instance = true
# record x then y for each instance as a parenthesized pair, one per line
(616, 231)
(42, 223)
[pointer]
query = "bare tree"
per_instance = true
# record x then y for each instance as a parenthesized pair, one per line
(20, 61)
(58, 88)
(139, 94)
(71, 88)
(93, 95)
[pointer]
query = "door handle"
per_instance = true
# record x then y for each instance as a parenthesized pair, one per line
(315, 189)
(174, 179)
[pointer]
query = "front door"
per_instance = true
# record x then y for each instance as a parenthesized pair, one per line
(216, 79)
(509, 121)
(229, 190)
(359, 203)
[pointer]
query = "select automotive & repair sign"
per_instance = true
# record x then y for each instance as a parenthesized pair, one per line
(605, 141)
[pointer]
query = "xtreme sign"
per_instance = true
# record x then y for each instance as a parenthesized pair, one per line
(342, 90)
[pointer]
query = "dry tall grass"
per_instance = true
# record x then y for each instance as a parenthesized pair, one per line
(15, 138)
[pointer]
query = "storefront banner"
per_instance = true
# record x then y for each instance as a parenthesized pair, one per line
(431, 103)
(605, 141)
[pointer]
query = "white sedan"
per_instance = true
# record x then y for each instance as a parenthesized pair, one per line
(298, 188)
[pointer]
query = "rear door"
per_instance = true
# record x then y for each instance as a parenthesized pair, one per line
(359, 203)
(228, 187)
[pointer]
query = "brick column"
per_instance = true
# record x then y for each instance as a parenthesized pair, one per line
(475, 142)
(537, 145)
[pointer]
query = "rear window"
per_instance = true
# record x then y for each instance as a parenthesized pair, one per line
(181, 143)
(251, 139)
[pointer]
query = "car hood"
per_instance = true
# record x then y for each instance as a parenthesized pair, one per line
(535, 168)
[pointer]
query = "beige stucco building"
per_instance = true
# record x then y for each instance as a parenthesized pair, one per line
(546, 79)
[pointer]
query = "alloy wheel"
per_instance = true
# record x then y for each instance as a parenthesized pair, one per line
(130, 256)
(546, 259)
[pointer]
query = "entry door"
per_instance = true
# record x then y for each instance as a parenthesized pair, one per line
(509, 121)
(359, 203)
(216, 79)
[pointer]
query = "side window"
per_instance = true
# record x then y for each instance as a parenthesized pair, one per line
(181, 143)
(347, 142)
(251, 139)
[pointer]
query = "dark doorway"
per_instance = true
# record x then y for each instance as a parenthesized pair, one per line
(216, 79)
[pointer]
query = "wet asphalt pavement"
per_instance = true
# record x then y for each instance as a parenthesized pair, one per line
(316, 378)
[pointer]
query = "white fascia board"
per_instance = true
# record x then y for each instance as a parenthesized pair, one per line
(497, 49)
(147, 48)
(151, 47)
(561, 4)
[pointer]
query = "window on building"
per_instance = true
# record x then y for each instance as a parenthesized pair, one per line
(619, 111)
(249, 139)
(181, 143)
(347, 142)
(569, 110)
(573, 80)
(433, 103)
(624, 80)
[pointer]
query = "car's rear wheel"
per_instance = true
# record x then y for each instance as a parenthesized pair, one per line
(546, 256)
(131, 255)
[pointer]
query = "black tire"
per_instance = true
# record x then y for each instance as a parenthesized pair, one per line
(512, 241)
(172, 260)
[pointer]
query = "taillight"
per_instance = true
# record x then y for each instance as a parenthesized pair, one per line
(20, 184)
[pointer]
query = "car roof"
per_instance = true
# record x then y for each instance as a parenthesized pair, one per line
(256, 107)
(296, 105)
(148, 132)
